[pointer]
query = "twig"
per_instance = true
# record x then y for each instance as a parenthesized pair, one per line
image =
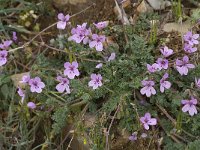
(70, 142)
(108, 131)
(166, 113)
(28, 43)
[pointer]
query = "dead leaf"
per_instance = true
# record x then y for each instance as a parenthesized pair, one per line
(121, 15)
(144, 7)
(185, 27)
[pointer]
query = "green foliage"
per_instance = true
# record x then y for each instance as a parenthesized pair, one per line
(194, 145)
(60, 118)
(121, 89)
(195, 15)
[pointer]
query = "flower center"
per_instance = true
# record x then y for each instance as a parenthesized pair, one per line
(71, 68)
(35, 84)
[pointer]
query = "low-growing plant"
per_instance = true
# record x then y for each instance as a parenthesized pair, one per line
(150, 92)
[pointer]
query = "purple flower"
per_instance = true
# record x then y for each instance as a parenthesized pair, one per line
(182, 66)
(164, 84)
(3, 57)
(25, 79)
(14, 36)
(99, 65)
(80, 33)
(63, 85)
(5, 45)
(97, 42)
(31, 105)
(71, 70)
(197, 82)
(190, 106)
(101, 25)
(62, 21)
(148, 88)
(148, 121)
(96, 81)
(166, 52)
(36, 85)
(189, 48)
(21, 94)
(162, 63)
(191, 38)
(153, 68)
(112, 57)
(133, 137)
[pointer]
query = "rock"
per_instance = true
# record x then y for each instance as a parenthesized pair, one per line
(159, 4)
(169, 27)
(144, 7)
(121, 14)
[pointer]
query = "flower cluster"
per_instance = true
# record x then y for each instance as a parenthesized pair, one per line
(190, 41)
(182, 66)
(36, 85)
(161, 63)
(71, 70)
(83, 34)
(80, 34)
(3, 52)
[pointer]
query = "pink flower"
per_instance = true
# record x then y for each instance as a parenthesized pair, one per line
(101, 25)
(148, 88)
(80, 33)
(36, 85)
(71, 70)
(31, 105)
(182, 66)
(133, 137)
(96, 81)
(166, 52)
(97, 42)
(62, 21)
(189, 48)
(112, 57)
(162, 63)
(148, 121)
(25, 79)
(191, 38)
(63, 85)
(21, 94)
(5, 45)
(190, 106)
(3, 57)
(164, 84)
(197, 82)
(153, 68)
(14, 36)
(99, 65)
